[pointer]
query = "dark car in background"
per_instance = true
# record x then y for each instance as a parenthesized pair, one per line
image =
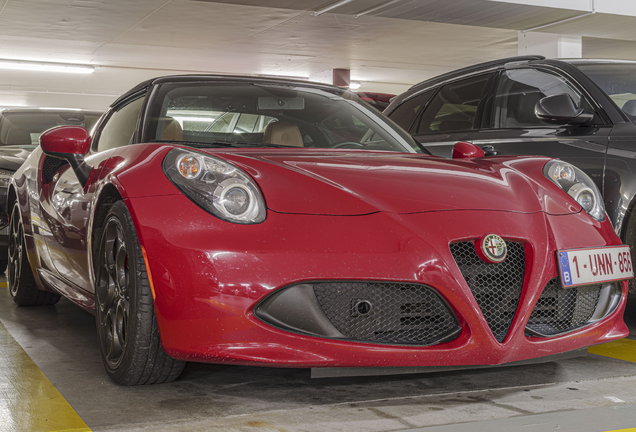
(581, 111)
(20, 130)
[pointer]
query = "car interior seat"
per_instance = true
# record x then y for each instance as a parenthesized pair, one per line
(283, 133)
(172, 130)
(630, 108)
(18, 136)
(521, 109)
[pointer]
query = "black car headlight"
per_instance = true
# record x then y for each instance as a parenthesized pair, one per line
(578, 185)
(216, 186)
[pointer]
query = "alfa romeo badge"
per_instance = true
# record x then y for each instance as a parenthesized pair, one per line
(491, 248)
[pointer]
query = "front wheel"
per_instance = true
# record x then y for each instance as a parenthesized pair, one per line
(22, 286)
(126, 322)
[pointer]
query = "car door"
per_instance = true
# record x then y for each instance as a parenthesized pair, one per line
(452, 115)
(65, 203)
(511, 127)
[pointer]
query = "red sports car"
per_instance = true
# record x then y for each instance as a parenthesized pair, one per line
(220, 219)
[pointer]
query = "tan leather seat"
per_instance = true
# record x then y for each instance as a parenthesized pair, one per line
(283, 133)
(172, 130)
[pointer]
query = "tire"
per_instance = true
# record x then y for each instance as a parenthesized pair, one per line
(126, 322)
(22, 285)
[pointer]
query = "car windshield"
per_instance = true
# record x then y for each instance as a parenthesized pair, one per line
(25, 128)
(270, 115)
(618, 80)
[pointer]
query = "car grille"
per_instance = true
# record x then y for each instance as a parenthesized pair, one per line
(392, 313)
(496, 287)
(50, 167)
(559, 310)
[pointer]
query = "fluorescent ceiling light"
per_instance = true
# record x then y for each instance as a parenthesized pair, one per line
(373, 9)
(331, 6)
(194, 119)
(354, 85)
(46, 67)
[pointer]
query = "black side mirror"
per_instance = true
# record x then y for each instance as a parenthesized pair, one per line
(560, 109)
(489, 150)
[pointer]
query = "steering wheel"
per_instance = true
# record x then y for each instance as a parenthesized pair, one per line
(347, 144)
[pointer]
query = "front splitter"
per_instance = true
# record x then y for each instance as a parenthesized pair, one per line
(374, 371)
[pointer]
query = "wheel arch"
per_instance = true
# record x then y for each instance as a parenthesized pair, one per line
(108, 196)
(12, 196)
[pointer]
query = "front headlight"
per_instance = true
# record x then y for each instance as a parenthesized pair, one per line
(5, 178)
(216, 186)
(578, 185)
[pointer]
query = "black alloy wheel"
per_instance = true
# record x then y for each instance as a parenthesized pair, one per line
(22, 285)
(113, 297)
(126, 322)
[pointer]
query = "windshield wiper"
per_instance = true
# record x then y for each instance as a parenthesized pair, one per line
(199, 144)
(221, 143)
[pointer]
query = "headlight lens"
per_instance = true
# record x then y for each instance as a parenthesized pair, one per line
(217, 186)
(5, 178)
(578, 185)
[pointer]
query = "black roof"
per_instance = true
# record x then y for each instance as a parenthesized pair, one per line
(229, 78)
(476, 67)
(49, 110)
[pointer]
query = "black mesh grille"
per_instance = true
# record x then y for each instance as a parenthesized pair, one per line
(391, 313)
(496, 287)
(559, 310)
(50, 167)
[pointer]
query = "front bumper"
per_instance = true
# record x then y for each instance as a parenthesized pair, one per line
(209, 275)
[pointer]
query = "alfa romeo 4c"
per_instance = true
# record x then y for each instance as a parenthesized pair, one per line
(284, 223)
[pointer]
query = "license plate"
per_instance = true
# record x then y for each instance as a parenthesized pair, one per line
(595, 265)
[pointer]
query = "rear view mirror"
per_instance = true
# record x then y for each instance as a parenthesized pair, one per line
(560, 109)
(281, 103)
(70, 143)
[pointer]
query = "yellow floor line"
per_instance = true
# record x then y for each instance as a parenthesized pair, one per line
(28, 400)
(4, 284)
(623, 349)
(623, 430)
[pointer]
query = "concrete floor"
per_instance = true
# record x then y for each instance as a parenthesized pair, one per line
(592, 393)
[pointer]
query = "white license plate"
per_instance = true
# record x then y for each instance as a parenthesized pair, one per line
(595, 265)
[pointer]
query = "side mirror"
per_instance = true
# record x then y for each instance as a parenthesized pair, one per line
(466, 150)
(560, 109)
(70, 143)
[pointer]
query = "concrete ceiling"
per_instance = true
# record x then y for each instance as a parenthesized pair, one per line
(387, 50)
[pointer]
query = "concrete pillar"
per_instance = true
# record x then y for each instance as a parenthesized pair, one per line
(550, 45)
(339, 77)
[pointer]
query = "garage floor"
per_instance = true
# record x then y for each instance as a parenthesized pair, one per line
(51, 379)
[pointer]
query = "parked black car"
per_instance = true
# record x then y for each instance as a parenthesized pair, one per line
(20, 130)
(581, 111)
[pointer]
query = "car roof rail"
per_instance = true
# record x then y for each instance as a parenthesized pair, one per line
(478, 66)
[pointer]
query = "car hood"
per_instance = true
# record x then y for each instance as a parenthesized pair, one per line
(13, 156)
(356, 183)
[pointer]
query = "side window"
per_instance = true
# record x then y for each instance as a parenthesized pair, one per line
(120, 127)
(405, 113)
(518, 92)
(454, 107)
